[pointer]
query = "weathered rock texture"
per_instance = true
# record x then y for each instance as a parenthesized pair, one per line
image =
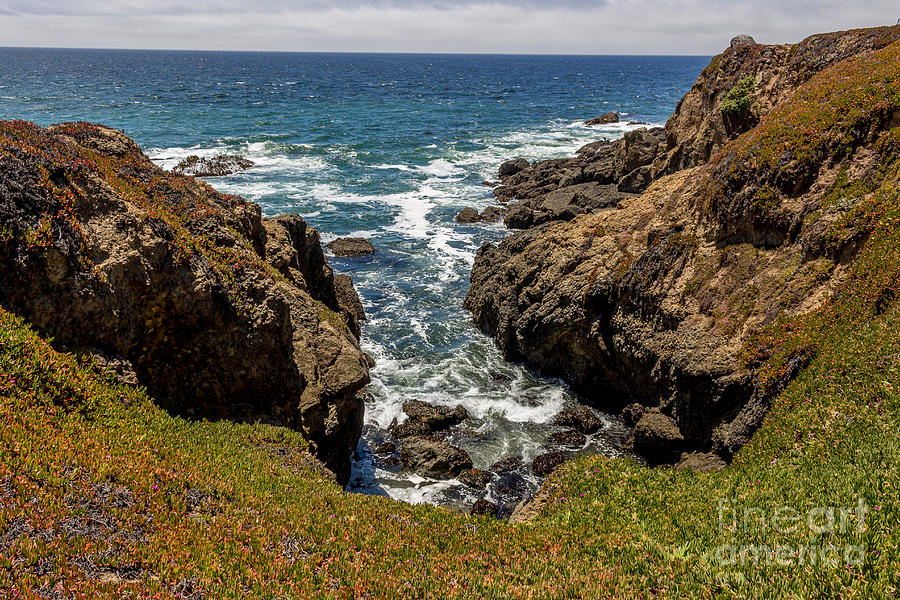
(746, 219)
(218, 312)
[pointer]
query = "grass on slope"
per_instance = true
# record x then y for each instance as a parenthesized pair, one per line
(104, 495)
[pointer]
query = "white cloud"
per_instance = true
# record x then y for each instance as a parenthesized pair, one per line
(516, 26)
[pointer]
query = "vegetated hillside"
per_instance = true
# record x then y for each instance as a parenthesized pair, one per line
(656, 305)
(218, 312)
(105, 495)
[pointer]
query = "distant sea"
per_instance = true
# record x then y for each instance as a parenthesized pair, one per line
(391, 148)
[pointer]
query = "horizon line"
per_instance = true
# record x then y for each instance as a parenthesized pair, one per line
(392, 52)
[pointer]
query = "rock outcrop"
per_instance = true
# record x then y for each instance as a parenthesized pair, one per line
(351, 247)
(218, 312)
(215, 166)
(746, 217)
(604, 119)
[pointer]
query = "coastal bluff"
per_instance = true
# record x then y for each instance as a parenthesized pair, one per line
(652, 271)
(218, 312)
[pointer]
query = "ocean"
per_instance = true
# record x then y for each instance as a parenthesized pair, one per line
(389, 147)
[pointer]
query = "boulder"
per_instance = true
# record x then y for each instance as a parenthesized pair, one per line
(742, 39)
(431, 457)
(350, 247)
(545, 464)
(571, 438)
(511, 167)
(519, 217)
(435, 418)
(605, 119)
(476, 478)
(581, 418)
(468, 215)
(656, 434)
(701, 462)
(507, 465)
(491, 214)
(216, 166)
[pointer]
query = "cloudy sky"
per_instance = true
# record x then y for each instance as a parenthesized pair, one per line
(509, 26)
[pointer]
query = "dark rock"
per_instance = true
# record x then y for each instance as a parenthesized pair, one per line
(216, 166)
(636, 181)
(205, 337)
(638, 123)
(605, 119)
(351, 246)
(511, 167)
(484, 507)
(581, 418)
(513, 463)
(510, 488)
(632, 413)
(431, 457)
(742, 40)
(435, 418)
(467, 215)
(491, 214)
(476, 478)
(385, 448)
(702, 462)
(408, 428)
(490, 183)
(571, 438)
(519, 217)
(656, 434)
(545, 464)
(370, 360)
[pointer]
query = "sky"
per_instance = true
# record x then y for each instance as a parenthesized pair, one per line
(469, 26)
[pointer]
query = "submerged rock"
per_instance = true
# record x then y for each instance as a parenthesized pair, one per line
(513, 463)
(216, 166)
(581, 418)
(476, 478)
(571, 438)
(432, 457)
(348, 247)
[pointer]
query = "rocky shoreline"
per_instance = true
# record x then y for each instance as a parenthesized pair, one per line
(646, 265)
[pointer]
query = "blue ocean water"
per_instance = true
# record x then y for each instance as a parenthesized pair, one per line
(389, 147)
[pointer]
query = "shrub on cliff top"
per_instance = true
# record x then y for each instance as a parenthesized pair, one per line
(739, 99)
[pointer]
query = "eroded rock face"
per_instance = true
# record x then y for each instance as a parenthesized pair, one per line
(650, 303)
(218, 312)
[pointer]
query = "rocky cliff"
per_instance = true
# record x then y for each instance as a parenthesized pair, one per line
(218, 312)
(649, 266)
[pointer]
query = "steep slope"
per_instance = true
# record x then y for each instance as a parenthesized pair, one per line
(218, 312)
(656, 301)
